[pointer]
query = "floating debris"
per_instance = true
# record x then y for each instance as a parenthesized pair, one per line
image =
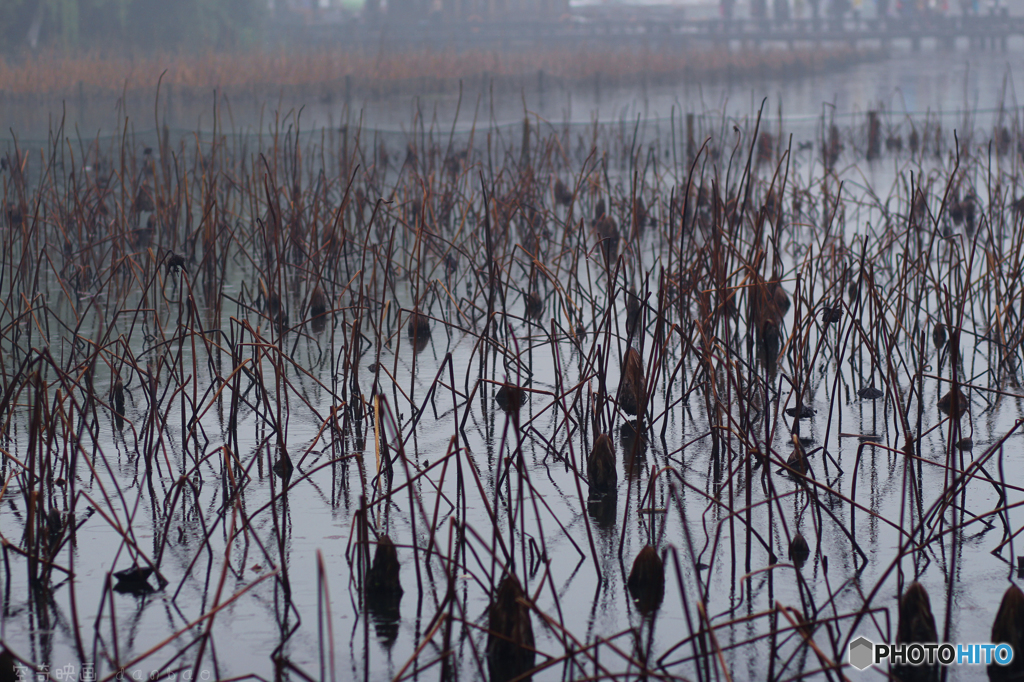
(797, 461)
(419, 326)
(646, 581)
(144, 200)
(608, 238)
(632, 386)
(275, 310)
(954, 404)
(798, 550)
(510, 398)
(601, 468)
(134, 580)
(383, 591)
(382, 580)
(510, 652)
(175, 263)
(317, 310)
(283, 466)
(534, 305)
(916, 626)
(767, 304)
(1008, 628)
(562, 194)
(802, 411)
(831, 315)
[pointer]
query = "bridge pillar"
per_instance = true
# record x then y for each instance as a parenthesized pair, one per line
(691, 142)
(874, 135)
(1005, 13)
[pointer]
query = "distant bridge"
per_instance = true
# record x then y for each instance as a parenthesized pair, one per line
(667, 28)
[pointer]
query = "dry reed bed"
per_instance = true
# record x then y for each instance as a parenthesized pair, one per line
(62, 75)
(206, 340)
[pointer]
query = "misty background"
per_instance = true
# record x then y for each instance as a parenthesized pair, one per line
(130, 24)
(87, 62)
(113, 26)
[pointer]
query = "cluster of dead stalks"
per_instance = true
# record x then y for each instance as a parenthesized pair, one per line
(452, 341)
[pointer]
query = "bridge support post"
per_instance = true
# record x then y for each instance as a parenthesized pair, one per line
(874, 135)
(691, 142)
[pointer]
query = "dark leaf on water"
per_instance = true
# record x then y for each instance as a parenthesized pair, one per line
(284, 467)
(805, 411)
(954, 404)
(175, 262)
(134, 580)
(510, 397)
(830, 315)
(870, 393)
(799, 551)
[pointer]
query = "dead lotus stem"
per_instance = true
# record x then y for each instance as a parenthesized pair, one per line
(471, 237)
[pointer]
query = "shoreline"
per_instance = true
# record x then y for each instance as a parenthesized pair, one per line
(322, 73)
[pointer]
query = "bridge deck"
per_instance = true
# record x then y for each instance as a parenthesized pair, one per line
(668, 30)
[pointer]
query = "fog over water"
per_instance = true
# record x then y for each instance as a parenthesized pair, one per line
(950, 86)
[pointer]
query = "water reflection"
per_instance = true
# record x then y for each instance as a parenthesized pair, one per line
(384, 591)
(634, 450)
(420, 343)
(633, 441)
(603, 512)
(264, 404)
(647, 581)
(385, 614)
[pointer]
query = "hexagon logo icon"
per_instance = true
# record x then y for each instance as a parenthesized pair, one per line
(861, 655)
